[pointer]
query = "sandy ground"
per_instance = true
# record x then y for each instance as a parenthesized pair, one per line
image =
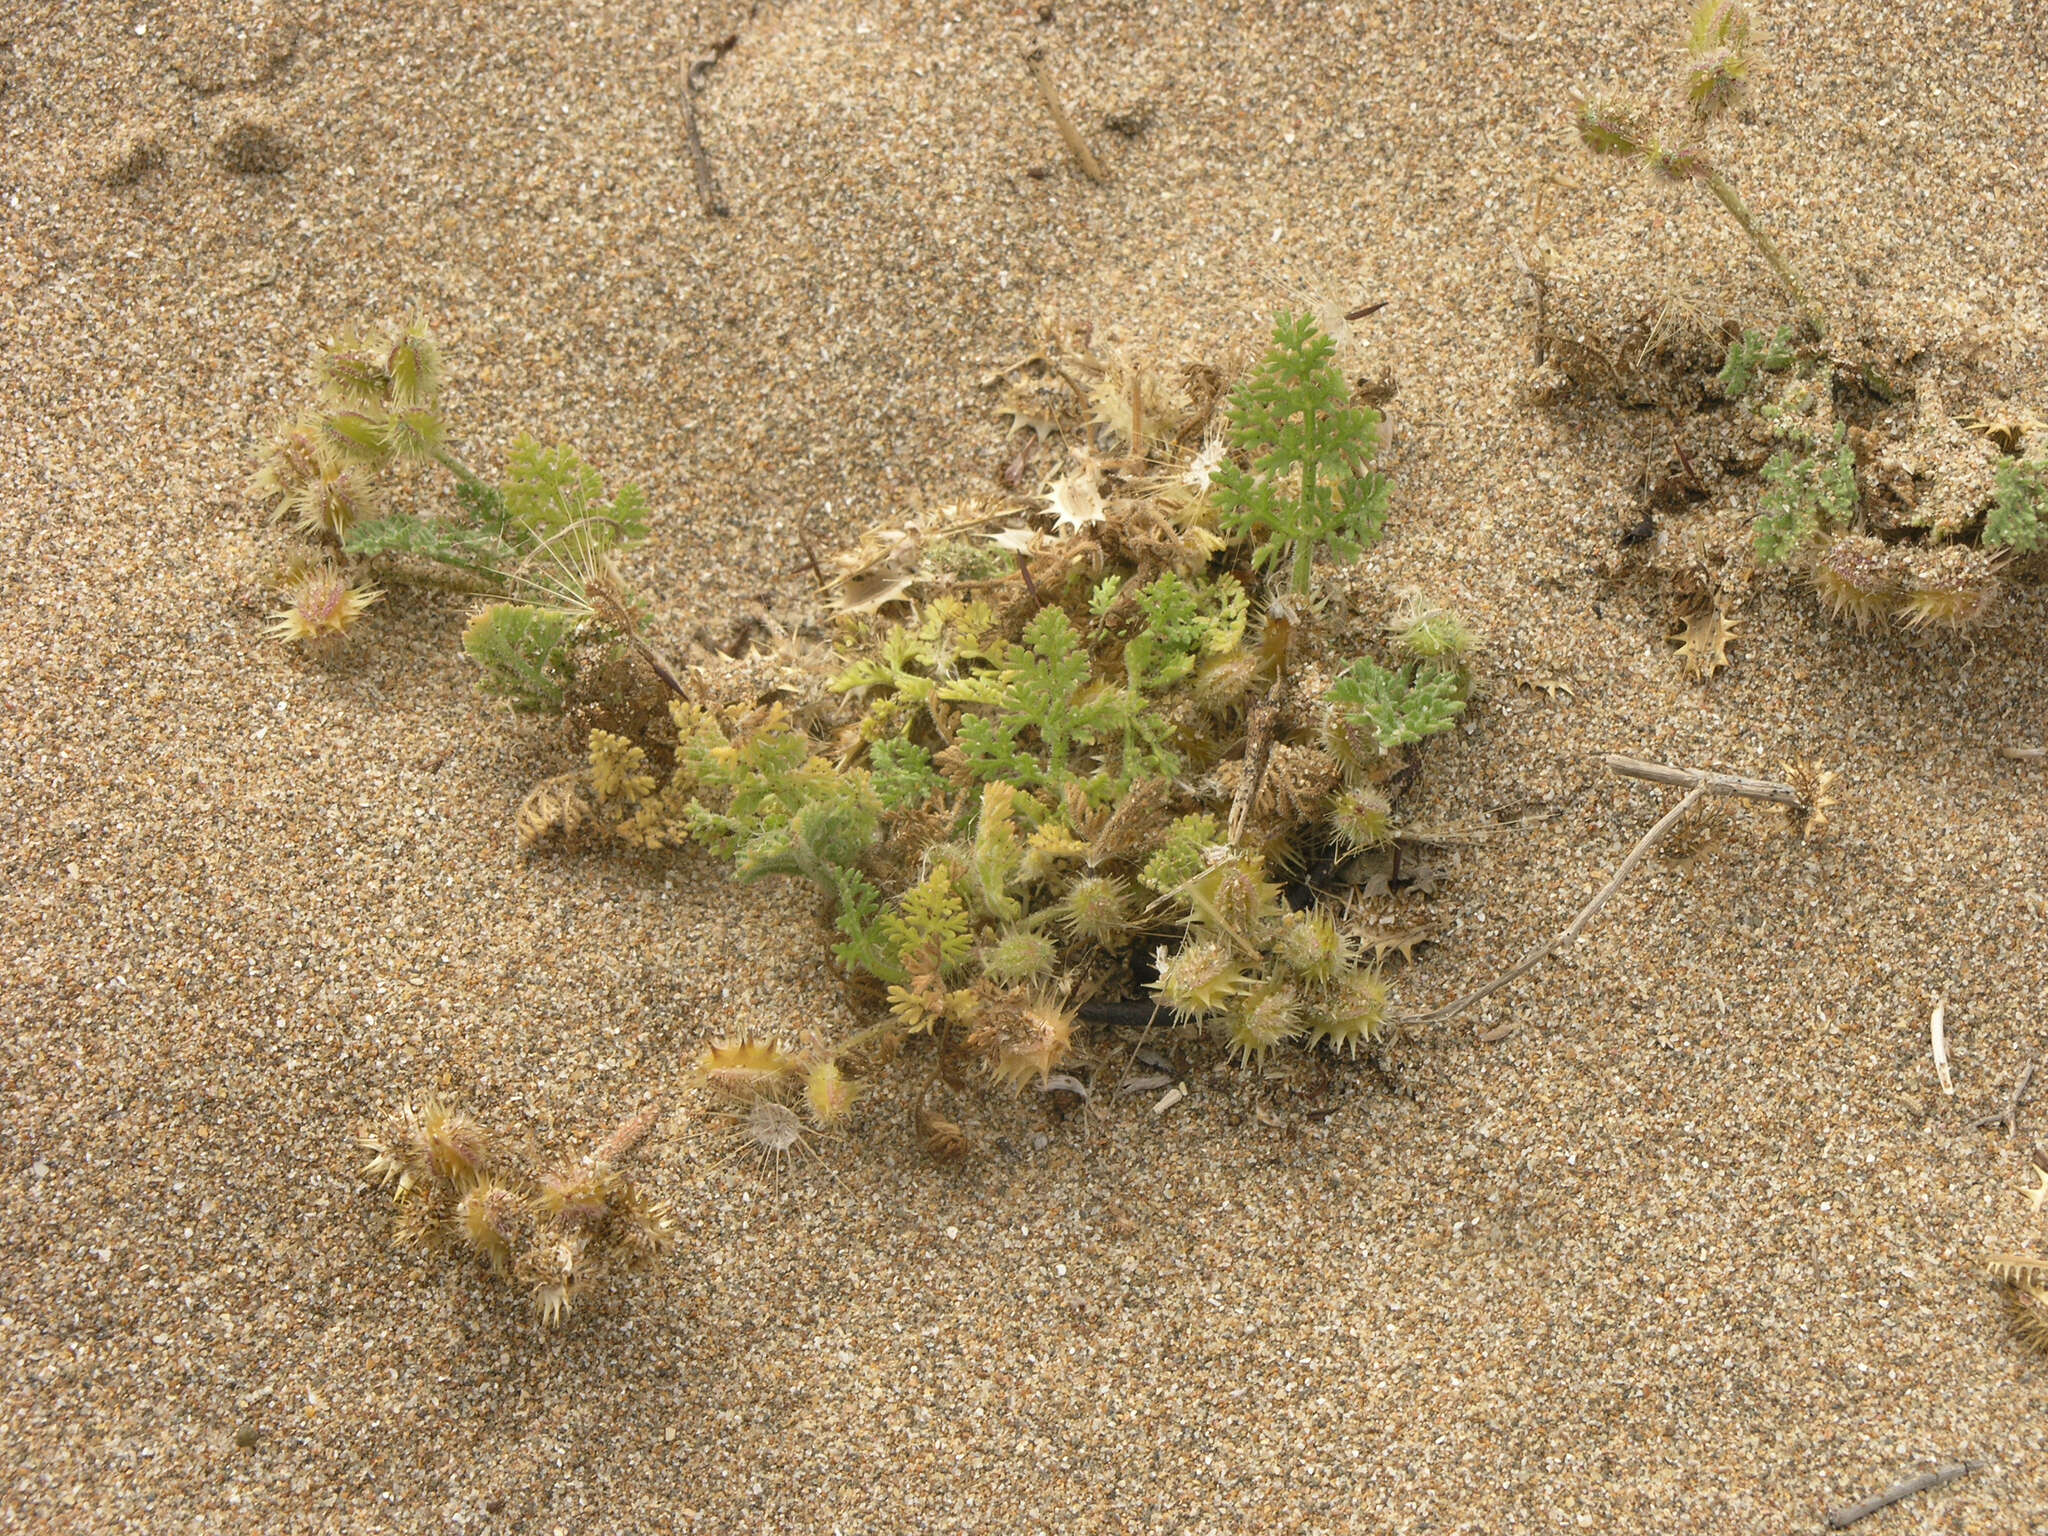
(1688, 1250)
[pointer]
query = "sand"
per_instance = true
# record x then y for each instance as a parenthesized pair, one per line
(1688, 1248)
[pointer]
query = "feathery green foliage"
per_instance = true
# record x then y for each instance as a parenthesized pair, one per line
(1398, 705)
(522, 654)
(1751, 353)
(1308, 487)
(2018, 519)
(1806, 496)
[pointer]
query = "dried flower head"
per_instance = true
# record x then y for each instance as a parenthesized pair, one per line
(291, 460)
(487, 1219)
(773, 1132)
(1814, 784)
(335, 499)
(1312, 948)
(320, 601)
(1025, 1037)
(1430, 631)
(353, 371)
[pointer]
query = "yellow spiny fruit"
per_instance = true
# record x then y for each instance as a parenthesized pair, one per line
(743, 1070)
(829, 1094)
(1354, 1015)
(1269, 1015)
(1025, 1038)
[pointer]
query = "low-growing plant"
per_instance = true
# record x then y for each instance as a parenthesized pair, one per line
(1093, 780)
(1104, 776)
(1720, 56)
(1812, 519)
(537, 544)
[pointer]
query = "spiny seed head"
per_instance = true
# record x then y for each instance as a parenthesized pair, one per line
(1311, 948)
(1025, 1037)
(1355, 1015)
(1361, 818)
(1857, 579)
(487, 1218)
(1018, 957)
(1268, 1015)
(291, 459)
(359, 436)
(1230, 897)
(1954, 586)
(744, 1070)
(353, 371)
(1224, 684)
(1430, 631)
(1098, 908)
(578, 1196)
(412, 432)
(335, 499)
(320, 601)
(413, 366)
(829, 1094)
(449, 1142)
(550, 1272)
(2028, 1306)
(1199, 977)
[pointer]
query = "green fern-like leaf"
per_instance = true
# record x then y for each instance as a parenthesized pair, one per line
(2018, 519)
(1043, 708)
(522, 653)
(1398, 705)
(1751, 353)
(1804, 497)
(1308, 487)
(928, 933)
(902, 774)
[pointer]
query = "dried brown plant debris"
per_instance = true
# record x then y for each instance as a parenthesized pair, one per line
(552, 1228)
(1702, 640)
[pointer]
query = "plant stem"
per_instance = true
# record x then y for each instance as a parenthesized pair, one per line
(1766, 247)
(458, 469)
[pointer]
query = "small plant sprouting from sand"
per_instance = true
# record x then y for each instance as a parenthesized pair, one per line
(1720, 60)
(538, 546)
(551, 1229)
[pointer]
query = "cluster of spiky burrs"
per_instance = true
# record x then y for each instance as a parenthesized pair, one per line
(553, 1230)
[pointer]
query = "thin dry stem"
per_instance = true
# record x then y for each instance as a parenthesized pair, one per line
(1076, 145)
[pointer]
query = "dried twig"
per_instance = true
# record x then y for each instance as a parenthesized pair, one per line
(1768, 790)
(700, 162)
(1076, 145)
(1698, 785)
(2021, 754)
(1842, 1519)
(2009, 1117)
